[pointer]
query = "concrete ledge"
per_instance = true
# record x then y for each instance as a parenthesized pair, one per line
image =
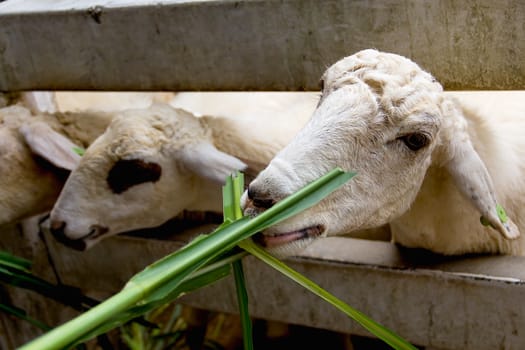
(439, 302)
(251, 45)
(446, 303)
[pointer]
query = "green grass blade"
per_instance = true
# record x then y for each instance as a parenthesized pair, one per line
(203, 277)
(181, 264)
(169, 335)
(228, 235)
(188, 259)
(19, 278)
(242, 300)
(237, 189)
(11, 261)
(231, 201)
(79, 150)
(200, 278)
(297, 202)
(389, 337)
(231, 193)
(228, 200)
(21, 314)
(63, 294)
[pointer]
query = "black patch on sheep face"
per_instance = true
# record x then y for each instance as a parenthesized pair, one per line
(130, 172)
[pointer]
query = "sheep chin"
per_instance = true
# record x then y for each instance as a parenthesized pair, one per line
(87, 243)
(90, 242)
(286, 244)
(76, 244)
(97, 233)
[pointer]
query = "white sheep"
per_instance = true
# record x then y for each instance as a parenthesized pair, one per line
(426, 164)
(148, 166)
(37, 153)
(39, 133)
(30, 180)
(277, 116)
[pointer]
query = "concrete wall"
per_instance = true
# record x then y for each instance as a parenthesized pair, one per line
(252, 45)
(437, 302)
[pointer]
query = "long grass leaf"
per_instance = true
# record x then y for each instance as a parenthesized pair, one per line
(228, 201)
(201, 278)
(242, 300)
(301, 200)
(21, 314)
(63, 294)
(232, 211)
(179, 265)
(25, 280)
(9, 260)
(375, 328)
(237, 189)
(294, 203)
(168, 331)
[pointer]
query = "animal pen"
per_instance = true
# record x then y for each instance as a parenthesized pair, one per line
(436, 302)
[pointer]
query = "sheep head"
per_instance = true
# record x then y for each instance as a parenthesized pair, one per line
(147, 167)
(383, 117)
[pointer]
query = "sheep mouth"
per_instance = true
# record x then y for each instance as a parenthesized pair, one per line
(279, 239)
(96, 232)
(81, 243)
(76, 244)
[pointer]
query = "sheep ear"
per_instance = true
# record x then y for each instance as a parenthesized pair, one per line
(40, 101)
(208, 162)
(473, 179)
(50, 145)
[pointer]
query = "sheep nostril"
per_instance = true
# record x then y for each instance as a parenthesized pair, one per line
(263, 203)
(251, 192)
(57, 227)
(258, 199)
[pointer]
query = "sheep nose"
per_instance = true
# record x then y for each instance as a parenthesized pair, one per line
(57, 228)
(260, 198)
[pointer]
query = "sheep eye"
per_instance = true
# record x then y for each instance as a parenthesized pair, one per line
(415, 141)
(130, 172)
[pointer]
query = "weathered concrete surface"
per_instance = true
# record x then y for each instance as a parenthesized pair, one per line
(445, 303)
(13, 331)
(433, 305)
(252, 45)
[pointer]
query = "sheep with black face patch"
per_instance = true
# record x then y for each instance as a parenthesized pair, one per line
(150, 165)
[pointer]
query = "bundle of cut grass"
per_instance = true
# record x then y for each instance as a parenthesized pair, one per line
(205, 260)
